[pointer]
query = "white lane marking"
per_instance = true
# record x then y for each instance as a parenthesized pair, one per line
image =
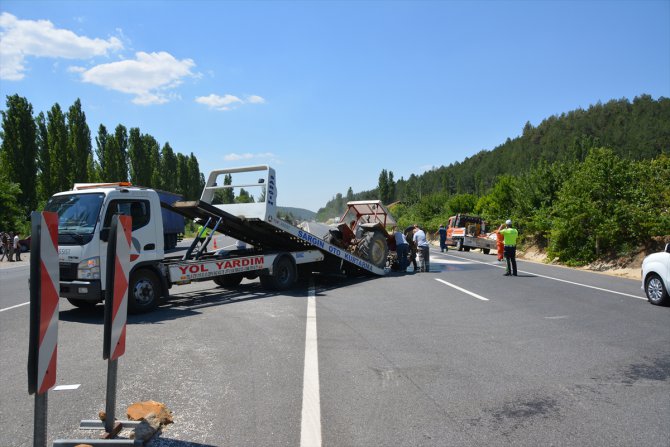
(479, 297)
(14, 307)
(560, 280)
(66, 387)
(448, 261)
(310, 430)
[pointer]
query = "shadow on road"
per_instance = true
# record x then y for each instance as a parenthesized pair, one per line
(187, 304)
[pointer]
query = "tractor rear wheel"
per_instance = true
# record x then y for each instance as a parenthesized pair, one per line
(374, 248)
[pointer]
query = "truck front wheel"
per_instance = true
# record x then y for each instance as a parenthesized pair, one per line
(143, 292)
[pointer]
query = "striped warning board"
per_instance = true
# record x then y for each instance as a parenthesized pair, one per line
(116, 301)
(44, 290)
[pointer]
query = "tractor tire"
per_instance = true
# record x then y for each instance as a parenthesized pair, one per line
(283, 274)
(228, 281)
(374, 248)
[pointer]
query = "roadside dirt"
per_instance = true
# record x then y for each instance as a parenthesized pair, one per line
(622, 267)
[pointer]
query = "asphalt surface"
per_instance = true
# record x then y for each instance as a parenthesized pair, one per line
(553, 357)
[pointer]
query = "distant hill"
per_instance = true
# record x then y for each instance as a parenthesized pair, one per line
(634, 130)
(299, 214)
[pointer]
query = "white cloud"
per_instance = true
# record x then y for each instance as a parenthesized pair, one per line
(255, 99)
(248, 156)
(40, 38)
(227, 102)
(150, 76)
(213, 101)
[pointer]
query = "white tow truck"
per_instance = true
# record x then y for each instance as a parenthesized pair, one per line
(279, 250)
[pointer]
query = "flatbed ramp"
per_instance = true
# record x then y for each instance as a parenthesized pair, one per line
(268, 234)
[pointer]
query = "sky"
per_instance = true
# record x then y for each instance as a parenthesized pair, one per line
(329, 93)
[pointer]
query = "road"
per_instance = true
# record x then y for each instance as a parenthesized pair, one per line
(459, 356)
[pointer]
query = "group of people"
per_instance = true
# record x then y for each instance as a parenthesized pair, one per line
(413, 244)
(10, 246)
(410, 247)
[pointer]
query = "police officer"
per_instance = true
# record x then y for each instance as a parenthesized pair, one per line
(510, 235)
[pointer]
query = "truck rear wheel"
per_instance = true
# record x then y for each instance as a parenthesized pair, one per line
(143, 292)
(283, 274)
(459, 245)
(374, 248)
(486, 250)
(228, 281)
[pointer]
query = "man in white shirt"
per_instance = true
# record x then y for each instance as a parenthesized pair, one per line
(422, 248)
(17, 248)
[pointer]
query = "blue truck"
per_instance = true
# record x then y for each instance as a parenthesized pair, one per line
(173, 223)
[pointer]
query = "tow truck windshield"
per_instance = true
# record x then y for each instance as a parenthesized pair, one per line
(77, 216)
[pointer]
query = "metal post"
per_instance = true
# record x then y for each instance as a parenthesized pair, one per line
(40, 425)
(110, 417)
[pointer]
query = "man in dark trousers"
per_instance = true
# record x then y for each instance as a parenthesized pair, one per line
(510, 234)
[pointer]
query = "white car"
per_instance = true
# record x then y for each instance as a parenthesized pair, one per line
(656, 277)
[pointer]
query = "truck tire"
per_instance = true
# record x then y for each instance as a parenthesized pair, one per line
(82, 304)
(486, 250)
(466, 249)
(283, 274)
(228, 281)
(655, 290)
(374, 248)
(459, 245)
(144, 291)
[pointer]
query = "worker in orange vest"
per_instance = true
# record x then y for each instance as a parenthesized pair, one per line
(500, 244)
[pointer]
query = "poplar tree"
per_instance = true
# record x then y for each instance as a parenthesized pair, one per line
(18, 151)
(168, 168)
(79, 143)
(59, 155)
(45, 187)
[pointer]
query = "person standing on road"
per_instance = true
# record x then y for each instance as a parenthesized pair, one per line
(17, 248)
(409, 234)
(443, 238)
(4, 238)
(10, 246)
(500, 244)
(422, 248)
(510, 234)
(401, 249)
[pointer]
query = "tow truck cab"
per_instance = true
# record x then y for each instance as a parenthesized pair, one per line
(84, 218)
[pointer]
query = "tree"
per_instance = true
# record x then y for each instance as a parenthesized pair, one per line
(102, 153)
(79, 143)
(227, 195)
(140, 159)
(18, 152)
(11, 212)
(244, 197)
(168, 164)
(195, 182)
(384, 187)
(59, 155)
(350, 194)
(45, 187)
(182, 175)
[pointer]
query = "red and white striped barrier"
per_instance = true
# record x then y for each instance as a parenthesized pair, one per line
(116, 346)
(44, 291)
